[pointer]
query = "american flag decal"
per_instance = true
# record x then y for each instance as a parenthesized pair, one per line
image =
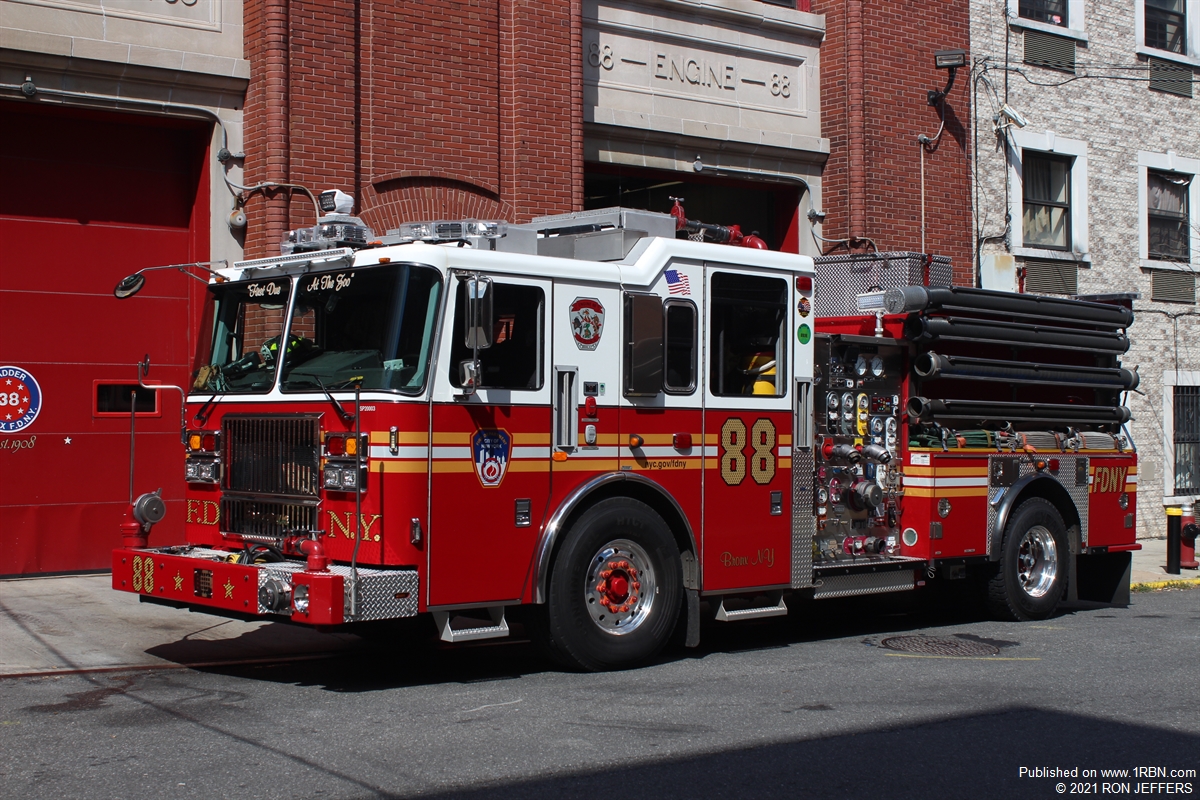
(677, 283)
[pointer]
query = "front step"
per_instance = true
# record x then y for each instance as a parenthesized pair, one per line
(756, 612)
(469, 633)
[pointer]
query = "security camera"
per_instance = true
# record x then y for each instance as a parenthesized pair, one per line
(1013, 116)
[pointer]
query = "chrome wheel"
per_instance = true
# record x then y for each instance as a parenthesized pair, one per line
(1037, 561)
(619, 587)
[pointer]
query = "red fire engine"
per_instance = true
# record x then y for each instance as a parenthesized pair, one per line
(612, 429)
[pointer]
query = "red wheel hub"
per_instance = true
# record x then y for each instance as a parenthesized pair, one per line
(618, 586)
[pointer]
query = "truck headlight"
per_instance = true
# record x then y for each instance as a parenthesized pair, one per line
(300, 598)
(202, 470)
(333, 477)
(350, 478)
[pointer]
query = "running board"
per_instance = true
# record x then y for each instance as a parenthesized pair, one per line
(469, 633)
(757, 612)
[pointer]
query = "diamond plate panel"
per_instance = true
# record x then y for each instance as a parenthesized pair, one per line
(382, 594)
(840, 279)
(804, 523)
(865, 583)
(1065, 478)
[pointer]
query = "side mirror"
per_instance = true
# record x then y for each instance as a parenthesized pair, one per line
(130, 286)
(468, 375)
(480, 316)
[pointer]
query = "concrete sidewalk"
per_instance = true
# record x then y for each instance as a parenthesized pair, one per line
(69, 623)
(1150, 565)
(65, 624)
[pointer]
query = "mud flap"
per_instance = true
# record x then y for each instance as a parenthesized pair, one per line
(693, 618)
(1104, 578)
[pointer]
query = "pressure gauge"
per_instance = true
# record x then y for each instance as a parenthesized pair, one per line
(832, 400)
(847, 402)
(877, 366)
(876, 426)
(860, 366)
(822, 495)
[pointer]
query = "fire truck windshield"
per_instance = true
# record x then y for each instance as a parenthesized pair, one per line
(247, 324)
(372, 326)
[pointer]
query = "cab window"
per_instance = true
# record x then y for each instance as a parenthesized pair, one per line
(514, 361)
(748, 341)
(679, 347)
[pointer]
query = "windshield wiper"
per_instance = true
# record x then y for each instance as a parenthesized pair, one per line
(346, 417)
(201, 416)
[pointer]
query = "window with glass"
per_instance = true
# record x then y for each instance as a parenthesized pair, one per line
(1166, 25)
(1187, 439)
(1046, 201)
(1167, 211)
(246, 327)
(514, 360)
(748, 341)
(1052, 12)
(372, 327)
(679, 347)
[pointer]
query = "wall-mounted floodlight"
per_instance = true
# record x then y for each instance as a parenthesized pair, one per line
(949, 59)
(946, 59)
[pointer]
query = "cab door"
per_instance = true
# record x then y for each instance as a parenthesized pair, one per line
(748, 421)
(490, 450)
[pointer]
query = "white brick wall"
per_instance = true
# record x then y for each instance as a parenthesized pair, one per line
(1117, 118)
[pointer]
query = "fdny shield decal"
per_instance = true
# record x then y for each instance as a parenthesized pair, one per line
(587, 322)
(20, 399)
(491, 450)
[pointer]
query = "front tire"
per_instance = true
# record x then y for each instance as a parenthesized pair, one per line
(1028, 581)
(615, 588)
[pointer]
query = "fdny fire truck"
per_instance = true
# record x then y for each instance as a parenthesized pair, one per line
(609, 431)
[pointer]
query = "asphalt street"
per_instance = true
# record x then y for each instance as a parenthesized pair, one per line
(817, 705)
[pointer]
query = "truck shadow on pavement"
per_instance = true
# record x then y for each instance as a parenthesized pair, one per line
(409, 653)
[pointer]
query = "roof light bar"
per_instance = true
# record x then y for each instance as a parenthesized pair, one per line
(451, 230)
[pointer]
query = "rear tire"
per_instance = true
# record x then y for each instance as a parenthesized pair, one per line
(1028, 582)
(615, 589)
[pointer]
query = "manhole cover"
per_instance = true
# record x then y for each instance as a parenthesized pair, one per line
(933, 646)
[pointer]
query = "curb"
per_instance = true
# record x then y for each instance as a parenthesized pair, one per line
(1154, 586)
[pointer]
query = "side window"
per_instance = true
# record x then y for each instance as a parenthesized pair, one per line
(1167, 211)
(679, 347)
(514, 361)
(1166, 25)
(1047, 201)
(747, 338)
(1052, 12)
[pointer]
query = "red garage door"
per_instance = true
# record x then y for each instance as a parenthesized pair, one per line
(88, 198)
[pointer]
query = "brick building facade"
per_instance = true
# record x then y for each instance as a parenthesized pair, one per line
(460, 110)
(1087, 185)
(877, 66)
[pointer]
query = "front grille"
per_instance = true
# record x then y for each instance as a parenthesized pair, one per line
(272, 455)
(265, 520)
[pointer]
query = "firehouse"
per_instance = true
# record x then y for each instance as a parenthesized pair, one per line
(610, 431)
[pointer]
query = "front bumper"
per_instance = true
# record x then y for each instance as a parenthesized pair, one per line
(202, 578)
